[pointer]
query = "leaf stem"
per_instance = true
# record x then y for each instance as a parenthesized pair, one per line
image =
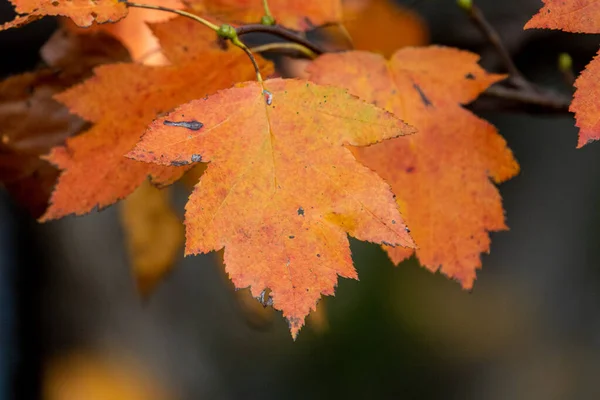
(266, 7)
(285, 46)
(498, 98)
(242, 46)
(174, 11)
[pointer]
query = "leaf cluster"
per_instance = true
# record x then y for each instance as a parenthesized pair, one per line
(374, 142)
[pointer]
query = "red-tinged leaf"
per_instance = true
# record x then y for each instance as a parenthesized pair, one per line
(577, 16)
(586, 103)
(440, 175)
(281, 191)
(32, 121)
(82, 12)
(122, 100)
(300, 15)
(568, 15)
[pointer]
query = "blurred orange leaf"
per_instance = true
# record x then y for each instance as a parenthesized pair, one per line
(380, 26)
(154, 234)
(94, 377)
(281, 191)
(440, 175)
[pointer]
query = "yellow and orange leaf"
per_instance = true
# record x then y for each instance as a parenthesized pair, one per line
(300, 15)
(121, 100)
(281, 191)
(82, 12)
(441, 175)
(578, 16)
(154, 234)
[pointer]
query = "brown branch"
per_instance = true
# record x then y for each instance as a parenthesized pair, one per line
(516, 92)
(503, 98)
(282, 32)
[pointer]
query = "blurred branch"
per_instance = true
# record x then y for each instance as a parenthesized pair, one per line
(503, 98)
(516, 93)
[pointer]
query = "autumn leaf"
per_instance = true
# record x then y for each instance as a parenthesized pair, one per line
(300, 15)
(82, 12)
(121, 100)
(578, 16)
(154, 234)
(440, 175)
(31, 121)
(380, 26)
(281, 190)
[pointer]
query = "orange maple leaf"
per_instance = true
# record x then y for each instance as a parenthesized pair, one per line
(281, 190)
(301, 15)
(578, 16)
(82, 12)
(121, 100)
(440, 175)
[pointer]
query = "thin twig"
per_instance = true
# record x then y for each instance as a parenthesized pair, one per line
(280, 31)
(545, 101)
(285, 46)
(493, 37)
(242, 46)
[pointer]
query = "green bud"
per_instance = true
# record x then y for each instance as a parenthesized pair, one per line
(227, 31)
(465, 4)
(565, 62)
(267, 20)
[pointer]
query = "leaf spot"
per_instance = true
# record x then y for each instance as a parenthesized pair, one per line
(191, 125)
(196, 158)
(470, 76)
(424, 98)
(268, 97)
(179, 163)
(300, 211)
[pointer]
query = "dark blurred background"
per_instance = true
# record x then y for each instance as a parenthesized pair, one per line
(529, 330)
